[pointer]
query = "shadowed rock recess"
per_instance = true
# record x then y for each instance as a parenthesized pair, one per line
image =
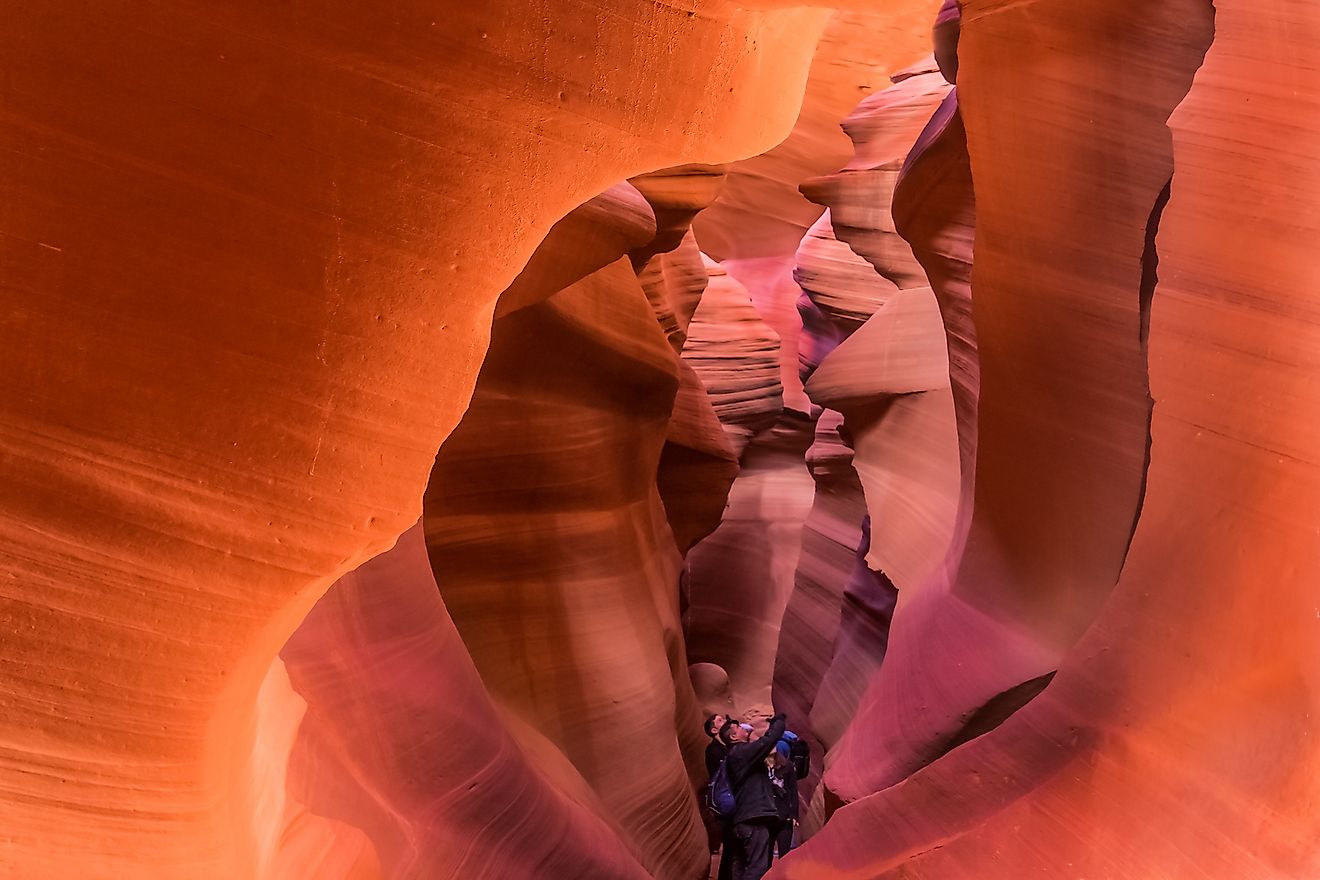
(417, 419)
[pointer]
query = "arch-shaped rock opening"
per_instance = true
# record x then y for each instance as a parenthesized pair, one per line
(962, 422)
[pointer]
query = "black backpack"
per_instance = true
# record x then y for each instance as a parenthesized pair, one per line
(722, 802)
(800, 754)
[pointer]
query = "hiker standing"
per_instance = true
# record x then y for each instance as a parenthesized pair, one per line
(784, 785)
(755, 816)
(715, 753)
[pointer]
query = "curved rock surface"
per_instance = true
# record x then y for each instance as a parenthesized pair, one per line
(1177, 738)
(754, 226)
(736, 356)
(544, 496)
(251, 254)
(1029, 580)
(401, 739)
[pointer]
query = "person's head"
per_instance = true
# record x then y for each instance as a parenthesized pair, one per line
(715, 723)
(732, 732)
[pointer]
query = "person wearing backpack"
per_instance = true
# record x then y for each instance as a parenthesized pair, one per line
(715, 753)
(755, 816)
(784, 784)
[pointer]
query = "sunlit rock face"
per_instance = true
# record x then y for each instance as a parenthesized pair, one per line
(554, 557)
(1177, 738)
(402, 741)
(251, 253)
(754, 226)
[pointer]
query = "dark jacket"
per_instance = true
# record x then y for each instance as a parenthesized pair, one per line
(749, 777)
(715, 753)
(786, 793)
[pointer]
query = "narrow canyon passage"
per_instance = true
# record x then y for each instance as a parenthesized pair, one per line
(419, 422)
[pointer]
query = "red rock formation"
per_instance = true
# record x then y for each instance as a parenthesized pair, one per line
(756, 223)
(545, 496)
(587, 239)
(1056, 433)
(697, 464)
(1177, 738)
(401, 739)
(875, 352)
(736, 356)
(251, 252)
(830, 539)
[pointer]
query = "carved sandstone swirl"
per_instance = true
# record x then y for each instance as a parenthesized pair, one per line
(840, 291)
(554, 557)
(756, 223)
(250, 254)
(1063, 407)
(830, 538)
(739, 577)
(736, 356)
(697, 464)
(876, 353)
(1178, 738)
(401, 739)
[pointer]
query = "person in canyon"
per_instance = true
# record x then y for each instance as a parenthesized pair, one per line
(716, 749)
(719, 830)
(784, 786)
(755, 818)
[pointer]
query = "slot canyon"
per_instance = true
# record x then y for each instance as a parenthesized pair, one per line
(417, 420)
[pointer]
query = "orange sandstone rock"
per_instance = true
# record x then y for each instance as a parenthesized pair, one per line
(251, 252)
(402, 741)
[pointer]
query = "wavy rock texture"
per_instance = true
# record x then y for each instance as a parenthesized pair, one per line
(252, 252)
(402, 740)
(756, 223)
(251, 255)
(587, 239)
(875, 353)
(830, 537)
(1056, 432)
(741, 576)
(736, 356)
(544, 496)
(1177, 738)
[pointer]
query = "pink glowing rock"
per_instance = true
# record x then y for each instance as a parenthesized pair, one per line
(736, 356)
(756, 223)
(251, 255)
(842, 285)
(740, 577)
(890, 380)
(555, 558)
(402, 741)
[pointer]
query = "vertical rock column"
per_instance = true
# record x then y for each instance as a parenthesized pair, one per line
(1058, 289)
(1178, 738)
(250, 253)
(553, 554)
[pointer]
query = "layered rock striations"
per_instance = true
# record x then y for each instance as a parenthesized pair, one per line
(874, 354)
(251, 255)
(1028, 579)
(755, 225)
(553, 554)
(1177, 738)
(402, 740)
